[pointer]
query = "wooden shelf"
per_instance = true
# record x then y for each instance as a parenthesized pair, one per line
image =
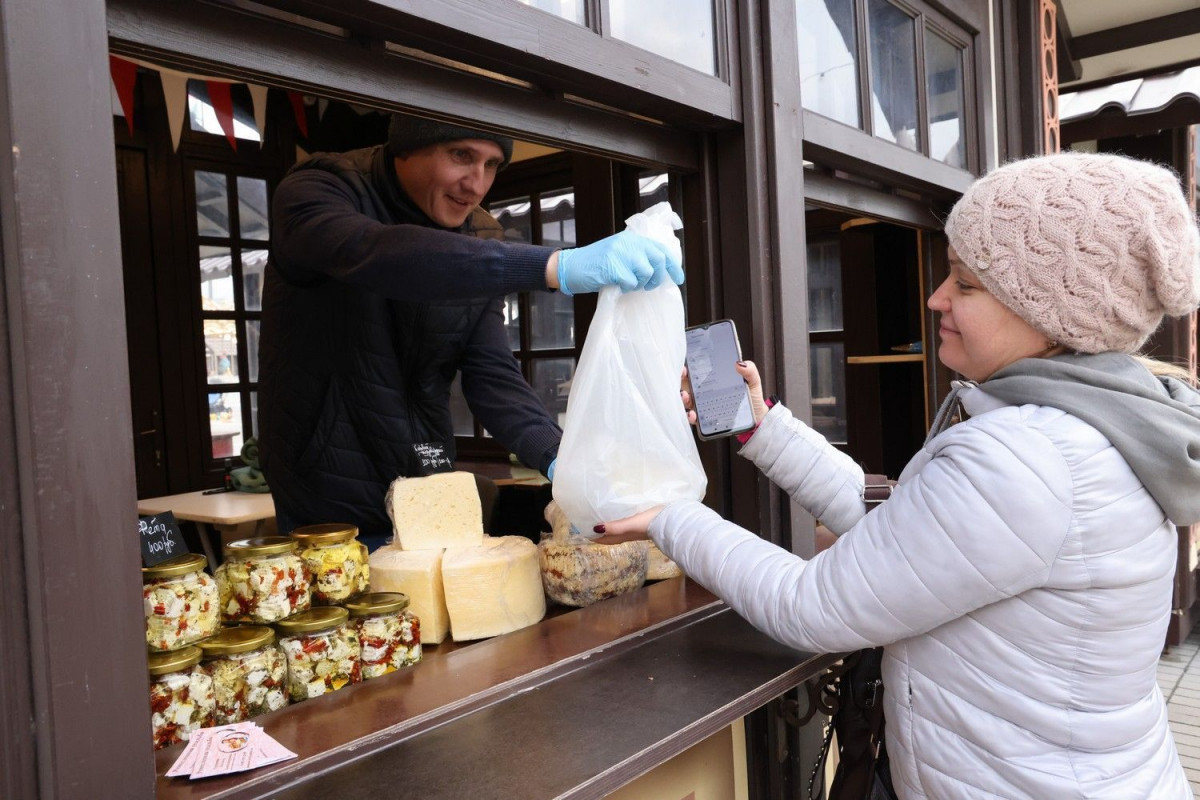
(896, 359)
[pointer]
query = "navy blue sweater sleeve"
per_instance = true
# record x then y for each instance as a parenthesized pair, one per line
(498, 395)
(318, 230)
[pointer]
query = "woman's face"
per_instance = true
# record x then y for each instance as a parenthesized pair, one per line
(979, 334)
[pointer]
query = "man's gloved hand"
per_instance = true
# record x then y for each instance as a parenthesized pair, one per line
(550, 470)
(626, 259)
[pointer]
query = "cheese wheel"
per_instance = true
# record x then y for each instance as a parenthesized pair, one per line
(493, 588)
(659, 567)
(436, 512)
(418, 574)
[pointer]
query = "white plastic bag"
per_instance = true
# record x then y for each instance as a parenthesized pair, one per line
(627, 445)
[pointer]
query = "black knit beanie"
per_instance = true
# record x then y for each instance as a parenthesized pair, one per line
(407, 133)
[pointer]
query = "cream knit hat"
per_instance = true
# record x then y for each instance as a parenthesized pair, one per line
(1091, 250)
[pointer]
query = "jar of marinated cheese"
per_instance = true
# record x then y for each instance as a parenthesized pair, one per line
(181, 602)
(181, 695)
(389, 634)
(336, 560)
(262, 580)
(249, 672)
(322, 652)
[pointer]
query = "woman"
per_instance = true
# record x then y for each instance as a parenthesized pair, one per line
(1020, 576)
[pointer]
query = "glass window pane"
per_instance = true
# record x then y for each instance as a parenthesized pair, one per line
(212, 204)
(512, 320)
(824, 286)
(552, 382)
(220, 350)
(513, 216)
(254, 263)
(828, 58)
(252, 208)
(460, 412)
(653, 189)
(551, 320)
(252, 328)
(216, 279)
(681, 30)
(203, 117)
(254, 414)
(944, 79)
(893, 74)
(225, 424)
(829, 390)
(558, 219)
(567, 9)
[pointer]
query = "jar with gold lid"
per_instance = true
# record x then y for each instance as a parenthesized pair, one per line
(181, 602)
(262, 580)
(322, 651)
(249, 672)
(335, 559)
(389, 634)
(181, 695)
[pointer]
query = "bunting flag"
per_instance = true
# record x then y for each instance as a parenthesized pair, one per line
(222, 103)
(124, 78)
(175, 93)
(258, 98)
(297, 101)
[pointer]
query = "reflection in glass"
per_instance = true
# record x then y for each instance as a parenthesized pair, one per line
(253, 211)
(681, 30)
(212, 204)
(460, 412)
(552, 382)
(567, 9)
(829, 390)
(824, 286)
(653, 188)
(512, 320)
(551, 320)
(254, 414)
(203, 117)
(220, 350)
(252, 327)
(558, 219)
(254, 263)
(216, 279)
(513, 216)
(225, 424)
(828, 62)
(944, 84)
(893, 74)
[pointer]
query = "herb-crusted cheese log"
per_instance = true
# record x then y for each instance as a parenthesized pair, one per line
(659, 567)
(576, 572)
(418, 574)
(493, 588)
(439, 511)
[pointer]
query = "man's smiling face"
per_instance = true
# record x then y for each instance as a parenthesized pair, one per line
(447, 180)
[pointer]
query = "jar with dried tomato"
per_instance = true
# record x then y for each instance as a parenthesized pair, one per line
(322, 652)
(335, 559)
(262, 580)
(249, 672)
(390, 634)
(181, 602)
(181, 695)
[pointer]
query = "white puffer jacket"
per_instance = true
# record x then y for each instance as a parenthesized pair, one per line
(1020, 578)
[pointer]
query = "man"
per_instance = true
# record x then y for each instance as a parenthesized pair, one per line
(379, 290)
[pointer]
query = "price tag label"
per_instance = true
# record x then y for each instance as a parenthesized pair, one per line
(161, 538)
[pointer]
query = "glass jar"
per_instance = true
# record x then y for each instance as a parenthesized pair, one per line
(262, 580)
(249, 672)
(181, 695)
(181, 602)
(389, 634)
(335, 559)
(322, 652)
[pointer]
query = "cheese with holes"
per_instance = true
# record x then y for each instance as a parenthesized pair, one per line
(439, 511)
(493, 588)
(418, 574)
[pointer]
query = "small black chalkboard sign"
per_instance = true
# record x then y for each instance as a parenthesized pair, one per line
(161, 538)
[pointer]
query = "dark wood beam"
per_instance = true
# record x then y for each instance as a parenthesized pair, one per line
(1136, 34)
(1069, 68)
(1149, 72)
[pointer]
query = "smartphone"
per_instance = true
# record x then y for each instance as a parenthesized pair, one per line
(719, 395)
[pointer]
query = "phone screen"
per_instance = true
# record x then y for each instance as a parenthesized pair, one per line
(719, 394)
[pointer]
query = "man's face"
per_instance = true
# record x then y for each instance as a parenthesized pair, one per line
(448, 179)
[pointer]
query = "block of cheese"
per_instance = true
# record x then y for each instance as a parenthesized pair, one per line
(439, 511)
(659, 567)
(493, 588)
(418, 574)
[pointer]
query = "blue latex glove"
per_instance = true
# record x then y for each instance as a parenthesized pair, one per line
(550, 470)
(626, 259)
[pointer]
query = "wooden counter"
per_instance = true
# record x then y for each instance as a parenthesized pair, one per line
(572, 707)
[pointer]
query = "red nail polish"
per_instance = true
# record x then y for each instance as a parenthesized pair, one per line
(741, 363)
(598, 529)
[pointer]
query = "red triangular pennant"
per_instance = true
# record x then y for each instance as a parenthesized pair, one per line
(297, 101)
(124, 77)
(222, 103)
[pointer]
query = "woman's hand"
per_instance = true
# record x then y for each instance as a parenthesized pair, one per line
(629, 529)
(749, 373)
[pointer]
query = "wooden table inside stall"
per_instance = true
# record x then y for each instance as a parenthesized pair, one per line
(220, 518)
